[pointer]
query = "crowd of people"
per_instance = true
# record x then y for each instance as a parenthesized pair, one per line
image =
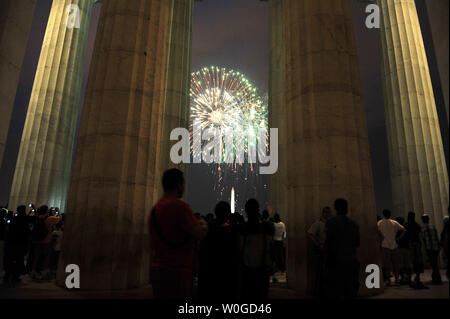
(404, 245)
(30, 243)
(234, 257)
(231, 257)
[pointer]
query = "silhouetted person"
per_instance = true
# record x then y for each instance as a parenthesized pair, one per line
(404, 260)
(209, 217)
(42, 242)
(415, 247)
(174, 230)
(341, 262)
(57, 236)
(256, 260)
(3, 213)
(266, 220)
(269, 224)
(237, 220)
(388, 229)
(432, 247)
(317, 235)
(31, 220)
(219, 258)
(445, 243)
(15, 246)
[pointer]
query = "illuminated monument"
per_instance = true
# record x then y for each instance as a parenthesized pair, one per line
(138, 91)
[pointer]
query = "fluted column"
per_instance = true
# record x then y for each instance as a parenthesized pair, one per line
(326, 141)
(114, 177)
(15, 23)
(42, 171)
(418, 170)
(276, 102)
(176, 95)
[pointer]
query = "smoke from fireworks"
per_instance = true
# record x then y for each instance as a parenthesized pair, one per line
(226, 100)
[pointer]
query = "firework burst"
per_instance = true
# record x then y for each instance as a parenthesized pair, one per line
(227, 101)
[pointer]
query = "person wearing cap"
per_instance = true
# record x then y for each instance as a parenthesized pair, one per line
(432, 247)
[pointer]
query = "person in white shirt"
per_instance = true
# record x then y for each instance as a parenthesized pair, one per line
(388, 230)
(278, 242)
(317, 234)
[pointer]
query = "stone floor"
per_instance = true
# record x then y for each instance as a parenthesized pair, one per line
(48, 290)
(406, 292)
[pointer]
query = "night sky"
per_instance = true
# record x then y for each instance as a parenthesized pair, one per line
(234, 34)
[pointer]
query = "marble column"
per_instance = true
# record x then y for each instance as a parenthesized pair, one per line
(325, 144)
(176, 95)
(43, 166)
(15, 23)
(438, 17)
(418, 169)
(115, 174)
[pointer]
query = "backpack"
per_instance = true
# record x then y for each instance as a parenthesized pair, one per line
(40, 231)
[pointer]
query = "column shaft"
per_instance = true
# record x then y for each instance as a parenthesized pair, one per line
(276, 93)
(417, 163)
(176, 96)
(276, 101)
(42, 171)
(15, 23)
(326, 147)
(115, 174)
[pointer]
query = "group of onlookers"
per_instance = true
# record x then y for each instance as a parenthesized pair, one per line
(236, 257)
(30, 243)
(233, 257)
(335, 268)
(403, 246)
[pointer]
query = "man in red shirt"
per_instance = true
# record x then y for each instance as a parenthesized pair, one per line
(173, 232)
